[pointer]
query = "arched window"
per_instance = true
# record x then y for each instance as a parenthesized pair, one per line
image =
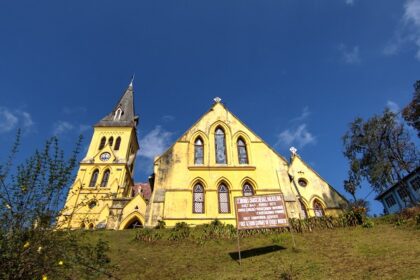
(220, 146)
(242, 153)
(224, 205)
(198, 199)
(198, 151)
(303, 212)
(105, 178)
(247, 190)
(111, 141)
(102, 144)
(117, 143)
(94, 178)
(319, 212)
(118, 114)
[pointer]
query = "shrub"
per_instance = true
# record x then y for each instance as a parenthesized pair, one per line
(160, 225)
(368, 223)
(180, 231)
(148, 235)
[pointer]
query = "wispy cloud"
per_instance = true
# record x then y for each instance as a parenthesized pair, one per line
(407, 32)
(392, 106)
(299, 137)
(12, 119)
(349, 2)
(305, 113)
(155, 143)
(350, 55)
(62, 127)
(168, 118)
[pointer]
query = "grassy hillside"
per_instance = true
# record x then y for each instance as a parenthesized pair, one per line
(385, 251)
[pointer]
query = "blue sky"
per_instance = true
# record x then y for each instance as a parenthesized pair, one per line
(296, 72)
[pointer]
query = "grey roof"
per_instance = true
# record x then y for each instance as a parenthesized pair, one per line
(128, 117)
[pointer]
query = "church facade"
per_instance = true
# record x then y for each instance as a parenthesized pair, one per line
(194, 181)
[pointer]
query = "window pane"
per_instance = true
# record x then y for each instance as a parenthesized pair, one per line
(223, 199)
(198, 152)
(220, 146)
(247, 190)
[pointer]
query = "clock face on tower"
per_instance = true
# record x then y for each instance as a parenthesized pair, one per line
(105, 156)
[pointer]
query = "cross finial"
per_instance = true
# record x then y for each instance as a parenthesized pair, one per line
(293, 150)
(217, 99)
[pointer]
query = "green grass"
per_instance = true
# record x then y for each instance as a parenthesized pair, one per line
(381, 252)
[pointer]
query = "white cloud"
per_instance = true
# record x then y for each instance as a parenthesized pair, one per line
(12, 119)
(154, 143)
(392, 106)
(61, 127)
(168, 118)
(305, 113)
(349, 2)
(350, 55)
(408, 32)
(299, 137)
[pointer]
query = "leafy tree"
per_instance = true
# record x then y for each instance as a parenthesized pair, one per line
(30, 199)
(411, 113)
(379, 150)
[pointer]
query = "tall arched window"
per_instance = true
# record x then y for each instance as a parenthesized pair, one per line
(198, 151)
(319, 211)
(223, 193)
(242, 153)
(111, 141)
(220, 146)
(102, 144)
(303, 213)
(105, 178)
(198, 199)
(247, 190)
(117, 143)
(94, 178)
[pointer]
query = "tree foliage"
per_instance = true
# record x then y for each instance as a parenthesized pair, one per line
(411, 113)
(30, 199)
(379, 150)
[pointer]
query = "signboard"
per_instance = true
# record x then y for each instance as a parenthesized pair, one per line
(261, 211)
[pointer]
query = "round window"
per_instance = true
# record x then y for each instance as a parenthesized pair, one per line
(92, 204)
(302, 182)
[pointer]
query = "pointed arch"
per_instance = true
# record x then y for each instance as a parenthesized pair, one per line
(94, 178)
(223, 198)
(198, 198)
(130, 219)
(247, 189)
(105, 178)
(118, 114)
(318, 208)
(117, 143)
(220, 145)
(111, 141)
(102, 143)
(303, 209)
(199, 150)
(242, 151)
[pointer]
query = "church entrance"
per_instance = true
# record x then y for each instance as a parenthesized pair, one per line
(133, 224)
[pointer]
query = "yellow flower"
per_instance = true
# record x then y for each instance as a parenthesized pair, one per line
(39, 249)
(60, 263)
(26, 245)
(44, 277)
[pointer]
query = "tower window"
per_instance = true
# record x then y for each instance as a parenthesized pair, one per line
(247, 190)
(224, 205)
(198, 199)
(92, 204)
(102, 144)
(198, 151)
(105, 178)
(111, 141)
(94, 178)
(220, 146)
(118, 114)
(242, 152)
(117, 143)
(319, 212)
(302, 182)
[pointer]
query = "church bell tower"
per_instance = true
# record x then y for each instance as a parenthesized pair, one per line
(105, 177)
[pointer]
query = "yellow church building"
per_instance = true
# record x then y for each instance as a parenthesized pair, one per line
(194, 181)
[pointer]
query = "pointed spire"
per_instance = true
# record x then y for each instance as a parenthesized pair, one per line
(123, 113)
(132, 80)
